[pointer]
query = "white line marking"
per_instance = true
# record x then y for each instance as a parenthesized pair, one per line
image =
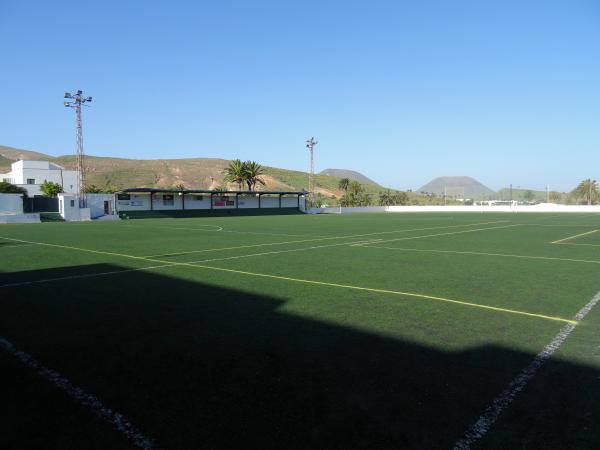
(10, 246)
(506, 255)
(317, 239)
(500, 403)
(299, 280)
(573, 237)
(446, 234)
(117, 272)
(220, 230)
(280, 251)
(91, 402)
(85, 275)
(576, 243)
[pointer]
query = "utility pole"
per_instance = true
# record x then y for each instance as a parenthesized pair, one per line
(76, 101)
(511, 198)
(310, 144)
(547, 194)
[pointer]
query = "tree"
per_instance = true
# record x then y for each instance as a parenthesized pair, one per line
(8, 188)
(356, 195)
(252, 173)
(355, 188)
(180, 187)
(50, 189)
(385, 198)
(389, 198)
(529, 195)
(400, 198)
(587, 190)
(236, 173)
(555, 197)
(343, 184)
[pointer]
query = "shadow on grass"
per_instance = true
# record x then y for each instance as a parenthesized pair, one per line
(197, 366)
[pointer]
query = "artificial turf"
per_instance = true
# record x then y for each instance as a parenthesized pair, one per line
(301, 331)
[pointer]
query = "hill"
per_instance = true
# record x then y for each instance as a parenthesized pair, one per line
(350, 174)
(15, 154)
(193, 173)
(520, 194)
(457, 187)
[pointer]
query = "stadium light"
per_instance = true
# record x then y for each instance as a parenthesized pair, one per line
(77, 100)
(310, 144)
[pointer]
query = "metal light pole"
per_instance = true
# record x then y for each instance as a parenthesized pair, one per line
(76, 100)
(310, 144)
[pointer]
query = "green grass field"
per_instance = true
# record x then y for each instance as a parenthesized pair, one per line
(364, 331)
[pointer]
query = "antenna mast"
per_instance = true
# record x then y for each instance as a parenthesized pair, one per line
(310, 144)
(76, 100)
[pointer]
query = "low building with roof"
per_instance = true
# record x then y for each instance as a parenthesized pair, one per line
(156, 202)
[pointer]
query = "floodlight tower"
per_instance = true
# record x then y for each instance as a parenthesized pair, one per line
(310, 144)
(76, 101)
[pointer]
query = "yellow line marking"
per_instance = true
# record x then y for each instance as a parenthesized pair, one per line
(508, 255)
(386, 291)
(313, 282)
(318, 239)
(444, 234)
(573, 237)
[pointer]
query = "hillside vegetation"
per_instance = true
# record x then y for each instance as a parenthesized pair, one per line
(192, 173)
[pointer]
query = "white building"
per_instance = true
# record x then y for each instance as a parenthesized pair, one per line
(31, 174)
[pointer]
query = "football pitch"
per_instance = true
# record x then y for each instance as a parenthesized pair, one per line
(355, 331)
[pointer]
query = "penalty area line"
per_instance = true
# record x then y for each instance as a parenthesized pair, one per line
(485, 422)
(89, 401)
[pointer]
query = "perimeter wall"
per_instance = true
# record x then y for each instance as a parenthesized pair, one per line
(541, 208)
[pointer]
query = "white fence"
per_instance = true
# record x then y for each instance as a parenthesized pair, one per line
(541, 208)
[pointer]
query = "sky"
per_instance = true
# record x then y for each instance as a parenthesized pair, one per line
(402, 91)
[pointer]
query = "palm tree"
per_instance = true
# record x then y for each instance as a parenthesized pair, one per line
(343, 184)
(252, 174)
(355, 188)
(588, 190)
(235, 172)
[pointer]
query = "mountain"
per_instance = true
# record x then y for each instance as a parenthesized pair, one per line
(15, 154)
(193, 173)
(350, 174)
(456, 187)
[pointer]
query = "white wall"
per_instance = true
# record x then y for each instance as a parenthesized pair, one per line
(267, 201)
(95, 203)
(290, 201)
(192, 202)
(12, 203)
(158, 203)
(68, 207)
(141, 202)
(41, 171)
(137, 202)
(20, 218)
(248, 201)
(225, 198)
(541, 208)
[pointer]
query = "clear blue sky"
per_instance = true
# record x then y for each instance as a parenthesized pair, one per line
(506, 91)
